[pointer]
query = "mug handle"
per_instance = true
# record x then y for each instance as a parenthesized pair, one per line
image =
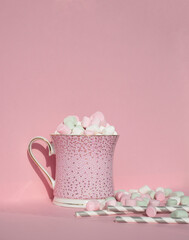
(51, 152)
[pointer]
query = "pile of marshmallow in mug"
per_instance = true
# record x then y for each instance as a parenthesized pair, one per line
(143, 200)
(93, 125)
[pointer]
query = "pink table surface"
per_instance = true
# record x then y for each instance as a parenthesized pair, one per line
(43, 220)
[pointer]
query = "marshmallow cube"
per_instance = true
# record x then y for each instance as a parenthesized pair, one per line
(145, 189)
(118, 196)
(78, 131)
(133, 190)
(151, 211)
(171, 202)
(167, 191)
(92, 205)
(123, 199)
(95, 121)
(85, 122)
(93, 128)
(130, 202)
(152, 194)
(135, 195)
(154, 203)
(177, 199)
(160, 196)
(98, 115)
(177, 194)
(63, 129)
(111, 202)
(142, 203)
(179, 213)
(159, 189)
(120, 190)
(108, 130)
(185, 200)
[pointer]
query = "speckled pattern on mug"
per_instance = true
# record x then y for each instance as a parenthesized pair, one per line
(84, 166)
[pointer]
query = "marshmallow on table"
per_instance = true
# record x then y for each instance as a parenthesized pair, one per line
(135, 195)
(179, 214)
(151, 211)
(124, 197)
(177, 194)
(133, 190)
(171, 202)
(146, 196)
(167, 191)
(142, 203)
(177, 199)
(154, 202)
(130, 202)
(92, 205)
(160, 189)
(151, 194)
(185, 200)
(160, 196)
(111, 201)
(120, 190)
(145, 189)
(118, 196)
(63, 129)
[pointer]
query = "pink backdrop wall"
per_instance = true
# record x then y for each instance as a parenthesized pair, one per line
(128, 59)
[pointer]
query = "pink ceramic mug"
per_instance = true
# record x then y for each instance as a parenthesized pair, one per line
(83, 167)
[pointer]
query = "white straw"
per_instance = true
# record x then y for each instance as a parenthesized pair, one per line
(97, 213)
(151, 220)
(143, 209)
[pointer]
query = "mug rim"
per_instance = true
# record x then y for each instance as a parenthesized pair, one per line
(54, 134)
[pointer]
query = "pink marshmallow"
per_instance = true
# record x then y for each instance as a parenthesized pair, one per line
(154, 203)
(98, 115)
(118, 196)
(63, 129)
(130, 202)
(111, 203)
(95, 121)
(92, 205)
(160, 196)
(85, 122)
(151, 211)
(124, 197)
(103, 123)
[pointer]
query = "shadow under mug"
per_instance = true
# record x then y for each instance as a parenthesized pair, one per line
(83, 167)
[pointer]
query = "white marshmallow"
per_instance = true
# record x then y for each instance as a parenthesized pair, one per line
(160, 189)
(108, 130)
(78, 123)
(94, 128)
(78, 131)
(115, 133)
(145, 189)
(72, 119)
(69, 124)
(133, 190)
(95, 121)
(177, 199)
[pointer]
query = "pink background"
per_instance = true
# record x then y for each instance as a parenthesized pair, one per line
(126, 58)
